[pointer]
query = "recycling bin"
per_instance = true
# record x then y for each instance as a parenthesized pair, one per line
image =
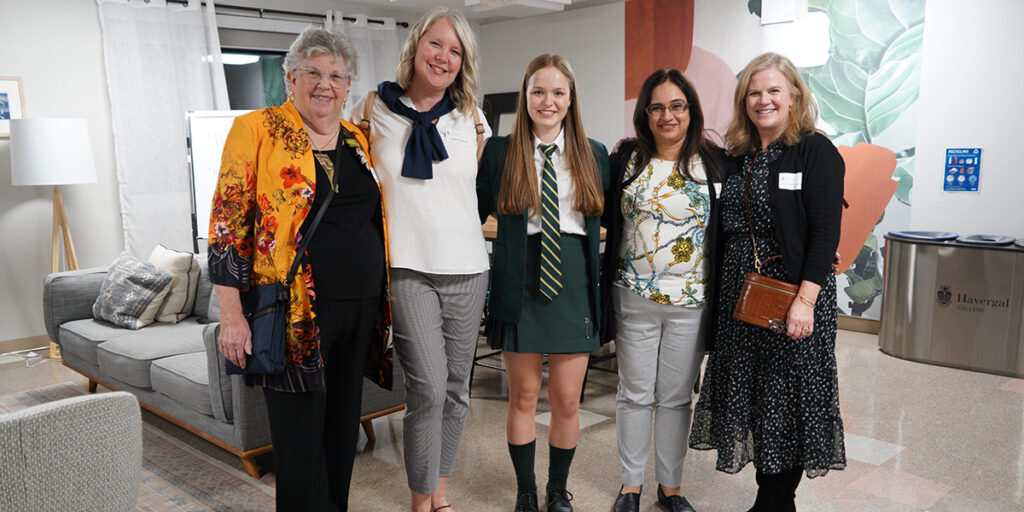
(954, 300)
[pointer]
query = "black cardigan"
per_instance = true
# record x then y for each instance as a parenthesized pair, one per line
(612, 221)
(508, 283)
(807, 221)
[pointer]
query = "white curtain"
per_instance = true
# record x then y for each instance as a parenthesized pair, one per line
(161, 62)
(376, 51)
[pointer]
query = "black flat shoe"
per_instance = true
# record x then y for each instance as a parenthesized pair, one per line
(627, 502)
(558, 500)
(526, 501)
(675, 503)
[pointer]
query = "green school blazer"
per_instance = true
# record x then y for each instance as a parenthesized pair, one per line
(508, 282)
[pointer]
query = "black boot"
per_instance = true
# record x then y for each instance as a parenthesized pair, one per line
(777, 492)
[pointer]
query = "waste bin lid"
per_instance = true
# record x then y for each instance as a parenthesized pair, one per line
(935, 236)
(991, 240)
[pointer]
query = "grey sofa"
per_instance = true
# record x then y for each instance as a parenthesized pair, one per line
(175, 370)
(81, 453)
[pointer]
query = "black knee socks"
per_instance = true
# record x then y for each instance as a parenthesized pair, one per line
(523, 455)
(558, 466)
(522, 461)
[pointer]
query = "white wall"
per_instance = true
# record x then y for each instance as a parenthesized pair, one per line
(55, 47)
(970, 97)
(591, 39)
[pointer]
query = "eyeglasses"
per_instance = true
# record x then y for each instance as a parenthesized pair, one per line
(313, 76)
(676, 107)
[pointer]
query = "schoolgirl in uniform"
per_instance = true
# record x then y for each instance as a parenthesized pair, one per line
(546, 182)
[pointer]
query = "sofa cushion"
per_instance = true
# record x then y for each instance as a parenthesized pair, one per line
(132, 292)
(204, 291)
(127, 358)
(184, 379)
(80, 337)
(213, 313)
(216, 375)
(182, 295)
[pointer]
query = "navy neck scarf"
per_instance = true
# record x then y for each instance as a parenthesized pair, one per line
(425, 145)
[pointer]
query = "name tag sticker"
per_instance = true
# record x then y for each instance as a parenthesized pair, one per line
(791, 180)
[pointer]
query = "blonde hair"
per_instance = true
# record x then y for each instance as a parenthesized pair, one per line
(464, 90)
(741, 137)
(519, 189)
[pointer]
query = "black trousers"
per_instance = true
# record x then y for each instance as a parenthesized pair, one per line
(315, 433)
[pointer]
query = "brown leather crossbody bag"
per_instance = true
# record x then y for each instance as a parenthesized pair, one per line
(763, 301)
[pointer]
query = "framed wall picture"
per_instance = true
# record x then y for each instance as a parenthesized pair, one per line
(12, 103)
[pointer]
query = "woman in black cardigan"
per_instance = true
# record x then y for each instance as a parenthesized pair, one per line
(772, 397)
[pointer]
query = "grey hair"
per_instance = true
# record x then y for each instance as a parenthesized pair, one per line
(314, 41)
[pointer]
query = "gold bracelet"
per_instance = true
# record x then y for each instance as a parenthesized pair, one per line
(805, 301)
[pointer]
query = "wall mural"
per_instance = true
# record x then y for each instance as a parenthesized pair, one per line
(862, 61)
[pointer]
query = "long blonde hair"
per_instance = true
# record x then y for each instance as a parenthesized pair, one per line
(519, 189)
(741, 136)
(465, 89)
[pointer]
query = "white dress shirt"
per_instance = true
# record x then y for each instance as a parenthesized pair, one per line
(570, 221)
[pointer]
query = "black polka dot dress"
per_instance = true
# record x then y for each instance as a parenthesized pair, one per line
(766, 398)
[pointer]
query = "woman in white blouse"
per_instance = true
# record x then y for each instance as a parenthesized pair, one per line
(657, 273)
(424, 136)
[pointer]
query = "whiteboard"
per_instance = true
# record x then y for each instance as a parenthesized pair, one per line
(206, 131)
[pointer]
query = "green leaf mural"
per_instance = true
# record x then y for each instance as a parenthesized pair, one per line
(895, 85)
(817, 5)
(839, 87)
(872, 76)
(855, 98)
(862, 30)
(904, 173)
(865, 279)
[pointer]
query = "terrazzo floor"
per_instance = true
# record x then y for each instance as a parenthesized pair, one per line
(919, 438)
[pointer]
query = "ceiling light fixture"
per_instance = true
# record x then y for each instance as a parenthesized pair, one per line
(517, 8)
(238, 59)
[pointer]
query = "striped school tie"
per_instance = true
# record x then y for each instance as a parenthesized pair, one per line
(550, 248)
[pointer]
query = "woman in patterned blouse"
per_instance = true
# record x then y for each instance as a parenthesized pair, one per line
(278, 167)
(770, 396)
(657, 271)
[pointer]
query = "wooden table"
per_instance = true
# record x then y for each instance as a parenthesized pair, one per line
(491, 229)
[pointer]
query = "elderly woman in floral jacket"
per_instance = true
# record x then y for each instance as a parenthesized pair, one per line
(278, 168)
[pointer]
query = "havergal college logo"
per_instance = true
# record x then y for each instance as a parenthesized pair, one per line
(944, 296)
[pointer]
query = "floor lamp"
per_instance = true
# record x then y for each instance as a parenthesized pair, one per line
(53, 151)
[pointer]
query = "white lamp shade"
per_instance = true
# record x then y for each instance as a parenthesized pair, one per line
(51, 151)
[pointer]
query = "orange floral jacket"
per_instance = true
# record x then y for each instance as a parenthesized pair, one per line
(264, 191)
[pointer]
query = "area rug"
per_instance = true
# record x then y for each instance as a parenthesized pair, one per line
(175, 476)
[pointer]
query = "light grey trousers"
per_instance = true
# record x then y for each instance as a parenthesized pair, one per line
(436, 322)
(659, 349)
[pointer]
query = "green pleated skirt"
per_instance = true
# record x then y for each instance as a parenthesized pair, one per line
(560, 326)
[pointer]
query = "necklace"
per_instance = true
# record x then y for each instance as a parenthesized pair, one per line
(324, 160)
